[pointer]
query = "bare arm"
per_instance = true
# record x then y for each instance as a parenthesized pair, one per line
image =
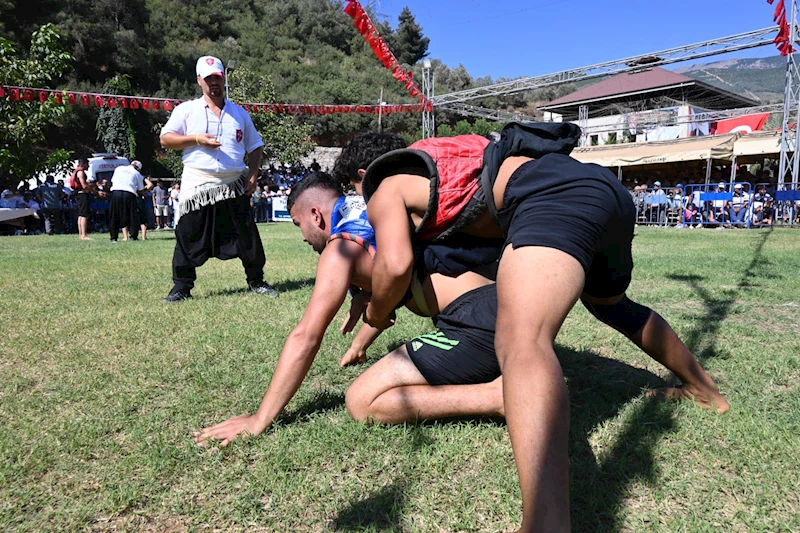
(333, 278)
(176, 141)
(394, 261)
(357, 353)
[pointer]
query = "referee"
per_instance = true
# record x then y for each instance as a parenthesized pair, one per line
(126, 186)
(215, 135)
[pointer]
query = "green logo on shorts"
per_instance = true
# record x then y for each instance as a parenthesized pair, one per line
(437, 339)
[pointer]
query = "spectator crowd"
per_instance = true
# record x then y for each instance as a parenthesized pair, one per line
(747, 202)
(54, 210)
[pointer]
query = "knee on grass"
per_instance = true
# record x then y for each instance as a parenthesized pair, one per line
(358, 403)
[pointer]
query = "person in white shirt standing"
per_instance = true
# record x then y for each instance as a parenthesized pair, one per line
(215, 134)
(126, 186)
(174, 203)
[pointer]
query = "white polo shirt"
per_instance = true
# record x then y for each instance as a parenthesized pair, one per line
(127, 178)
(234, 129)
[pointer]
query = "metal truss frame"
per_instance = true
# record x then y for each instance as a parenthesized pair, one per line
(790, 160)
(724, 45)
(643, 120)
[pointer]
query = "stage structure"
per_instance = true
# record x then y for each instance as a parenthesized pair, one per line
(790, 161)
(455, 101)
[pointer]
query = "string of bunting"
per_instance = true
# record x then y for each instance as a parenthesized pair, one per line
(783, 39)
(32, 94)
(382, 52)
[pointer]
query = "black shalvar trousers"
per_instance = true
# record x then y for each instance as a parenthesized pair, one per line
(124, 214)
(224, 230)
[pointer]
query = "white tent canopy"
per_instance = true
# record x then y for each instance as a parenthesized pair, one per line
(763, 143)
(716, 147)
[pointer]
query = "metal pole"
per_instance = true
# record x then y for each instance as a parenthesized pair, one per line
(583, 122)
(380, 110)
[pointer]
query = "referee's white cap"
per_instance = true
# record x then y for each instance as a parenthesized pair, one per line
(209, 66)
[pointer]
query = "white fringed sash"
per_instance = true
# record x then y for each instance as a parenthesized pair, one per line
(200, 188)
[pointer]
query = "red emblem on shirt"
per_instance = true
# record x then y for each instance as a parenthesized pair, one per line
(210, 61)
(239, 136)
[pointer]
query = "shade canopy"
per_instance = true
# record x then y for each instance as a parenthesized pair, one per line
(716, 147)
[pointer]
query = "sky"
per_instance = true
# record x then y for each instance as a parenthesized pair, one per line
(512, 38)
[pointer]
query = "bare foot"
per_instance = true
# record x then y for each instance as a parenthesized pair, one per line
(707, 399)
(124, 240)
(86, 239)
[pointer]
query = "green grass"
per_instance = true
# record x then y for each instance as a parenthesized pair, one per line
(101, 386)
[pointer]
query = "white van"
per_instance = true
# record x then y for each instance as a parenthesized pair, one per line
(101, 166)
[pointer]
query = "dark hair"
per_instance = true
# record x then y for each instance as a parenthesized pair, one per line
(360, 151)
(83, 162)
(315, 180)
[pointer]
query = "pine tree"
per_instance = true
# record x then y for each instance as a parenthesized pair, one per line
(409, 44)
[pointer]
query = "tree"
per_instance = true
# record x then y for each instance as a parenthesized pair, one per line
(409, 46)
(24, 122)
(285, 140)
(115, 127)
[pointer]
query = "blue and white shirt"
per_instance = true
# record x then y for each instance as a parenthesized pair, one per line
(349, 221)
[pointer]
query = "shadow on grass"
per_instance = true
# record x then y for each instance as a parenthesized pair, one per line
(380, 512)
(598, 389)
(281, 287)
(322, 402)
(701, 340)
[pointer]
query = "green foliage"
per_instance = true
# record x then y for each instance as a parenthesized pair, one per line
(407, 43)
(24, 123)
(462, 127)
(59, 161)
(286, 140)
(309, 49)
(172, 160)
(115, 126)
(444, 130)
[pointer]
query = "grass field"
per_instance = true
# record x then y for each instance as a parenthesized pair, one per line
(102, 385)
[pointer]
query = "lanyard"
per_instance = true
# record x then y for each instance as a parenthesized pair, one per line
(219, 124)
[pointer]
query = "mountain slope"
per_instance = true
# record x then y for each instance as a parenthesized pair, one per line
(758, 78)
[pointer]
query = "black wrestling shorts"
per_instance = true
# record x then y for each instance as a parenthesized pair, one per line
(82, 200)
(461, 350)
(581, 209)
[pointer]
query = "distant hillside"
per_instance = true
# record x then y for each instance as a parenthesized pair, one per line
(761, 79)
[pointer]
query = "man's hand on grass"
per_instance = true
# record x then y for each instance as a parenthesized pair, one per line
(230, 430)
(353, 357)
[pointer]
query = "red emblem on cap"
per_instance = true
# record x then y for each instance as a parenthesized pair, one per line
(210, 61)
(239, 136)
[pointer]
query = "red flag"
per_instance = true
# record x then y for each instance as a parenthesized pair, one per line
(99, 101)
(780, 11)
(156, 105)
(72, 98)
(85, 99)
(134, 103)
(146, 104)
(43, 95)
(27, 95)
(168, 105)
(59, 97)
(745, 124)
(111, 101)
(2, 91)
(350, 8)
(13, 93)
(124, 102)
